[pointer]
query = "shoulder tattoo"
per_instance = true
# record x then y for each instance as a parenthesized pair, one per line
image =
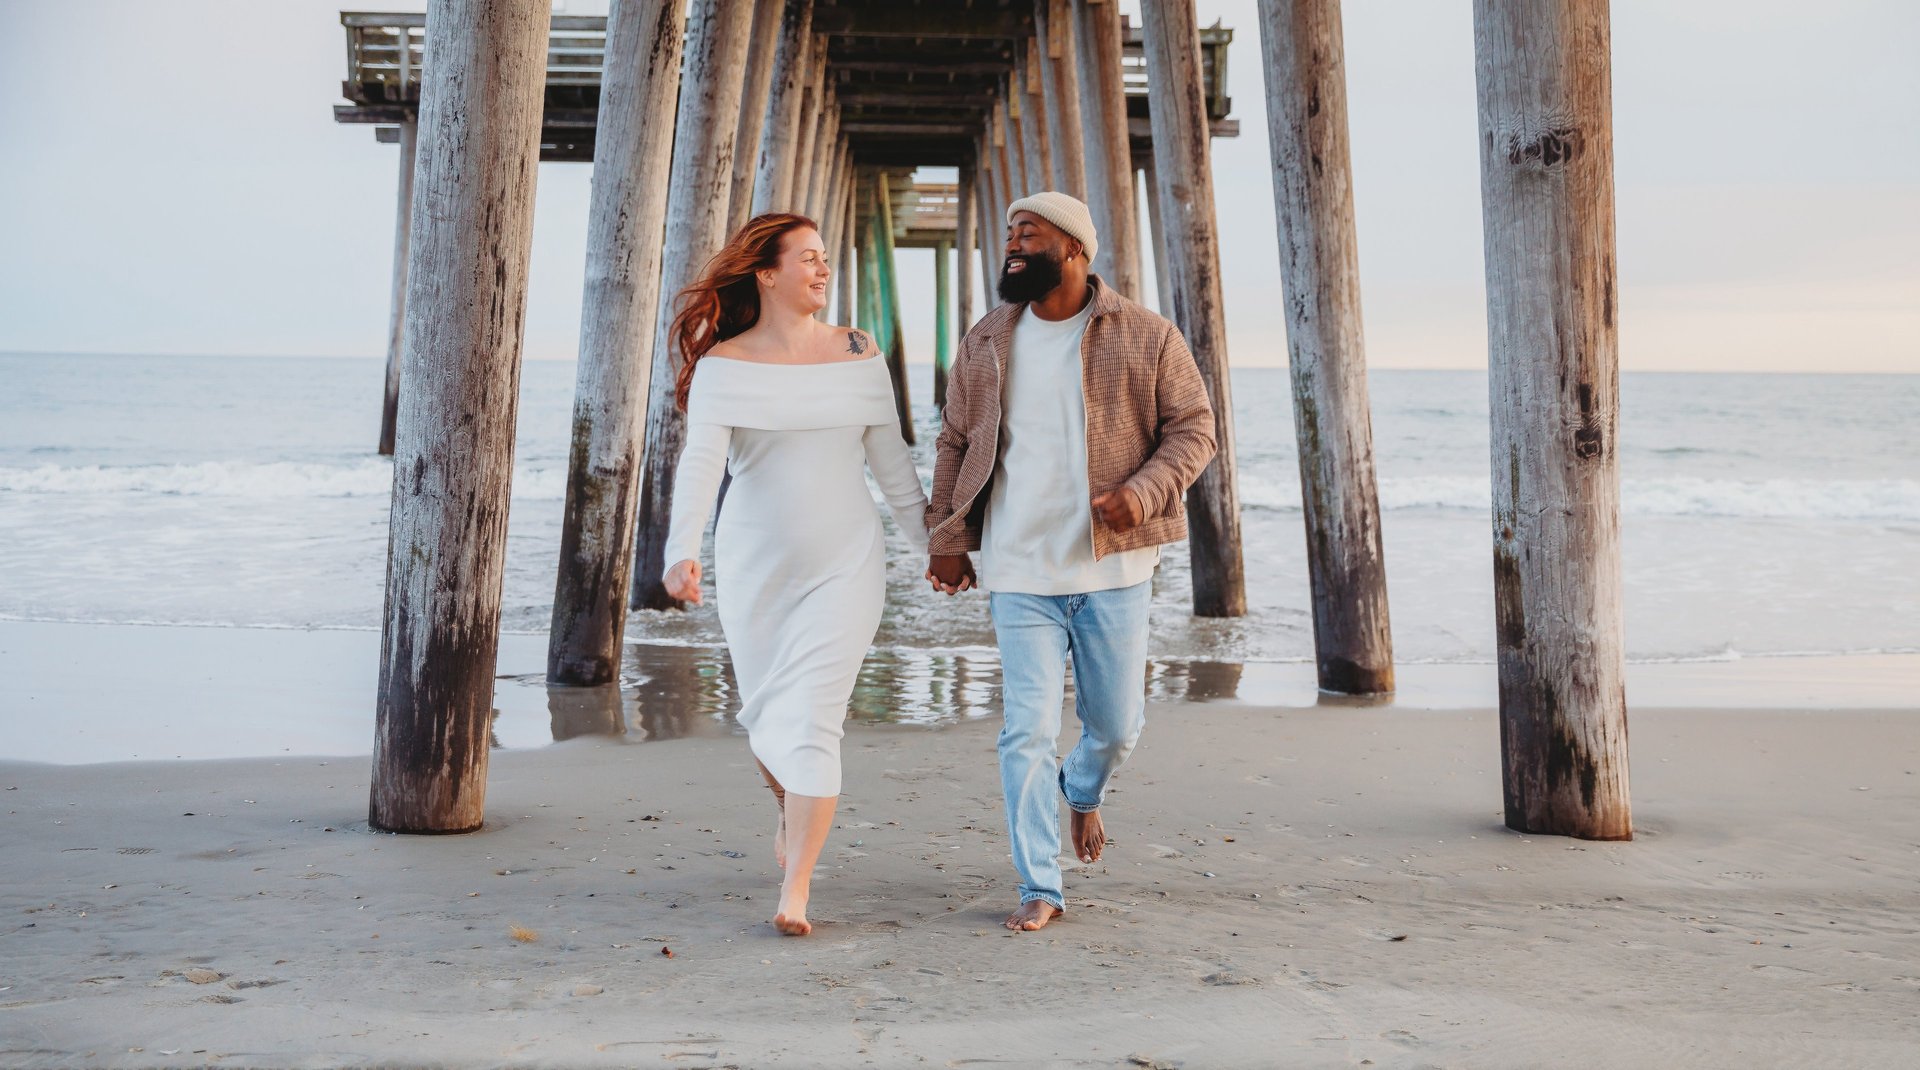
(856, 343)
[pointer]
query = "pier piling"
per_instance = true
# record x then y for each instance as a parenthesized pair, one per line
(634, 143)
(453, 453)
(409, 131)
(1326, 343)
(1183, 159)
(712, 78)
(1546, 181)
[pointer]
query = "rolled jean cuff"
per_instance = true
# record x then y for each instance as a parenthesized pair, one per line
(1074, 806)
(1053, 901)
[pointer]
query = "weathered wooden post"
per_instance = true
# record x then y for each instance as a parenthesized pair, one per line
(985, 197)
(1546, 187)
(1060, 86)
(942, 320)
(1033, 118)
(870, 304)
(806, 145)
(762, 53)
(397, 315)
(845, 268)
(1006, 142)
(963, 230)
(896, 342)
(827, 199)
(1163, 282)
(1320, 273)
(773, 178)
(1182, 155)
(711, 80)
(453, 460)
(825, 151)
(1017, 168)
(633, 143)
(1103, 119)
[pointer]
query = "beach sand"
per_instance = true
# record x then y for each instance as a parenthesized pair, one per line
(1286, 887)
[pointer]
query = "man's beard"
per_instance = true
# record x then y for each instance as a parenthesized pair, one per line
(1041, 276)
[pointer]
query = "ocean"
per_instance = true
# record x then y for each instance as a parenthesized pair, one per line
(1764, 515)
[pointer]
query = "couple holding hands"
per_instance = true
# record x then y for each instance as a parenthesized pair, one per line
(1074, 422)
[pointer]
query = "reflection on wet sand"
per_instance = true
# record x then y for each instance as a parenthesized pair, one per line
(585, 711)
(669, 692)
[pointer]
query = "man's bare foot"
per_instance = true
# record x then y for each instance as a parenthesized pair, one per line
(1089, 836)
(792, 920)
(1033, 914)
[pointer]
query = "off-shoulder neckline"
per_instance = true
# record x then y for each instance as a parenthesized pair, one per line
(783, 364)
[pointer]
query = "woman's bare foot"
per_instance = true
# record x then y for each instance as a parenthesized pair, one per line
(792, 919)
(1089, 836)
(1033, 914)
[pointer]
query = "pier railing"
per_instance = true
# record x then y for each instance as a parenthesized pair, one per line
(386, 54)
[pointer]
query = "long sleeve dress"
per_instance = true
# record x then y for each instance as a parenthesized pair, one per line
(799, 554)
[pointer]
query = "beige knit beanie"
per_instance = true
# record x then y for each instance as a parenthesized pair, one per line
(1065, 212)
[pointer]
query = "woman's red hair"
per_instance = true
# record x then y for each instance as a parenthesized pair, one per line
(725, 301)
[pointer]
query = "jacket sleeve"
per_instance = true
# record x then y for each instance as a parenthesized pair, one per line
(1183, 427)
(950, 446)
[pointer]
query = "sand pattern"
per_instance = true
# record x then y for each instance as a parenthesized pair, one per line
(1325, 887)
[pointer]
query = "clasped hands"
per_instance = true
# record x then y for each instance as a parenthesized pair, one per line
(1119, 509)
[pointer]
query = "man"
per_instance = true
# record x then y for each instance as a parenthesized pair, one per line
(1075, 421)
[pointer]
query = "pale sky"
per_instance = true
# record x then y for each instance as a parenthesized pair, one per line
(190, 193)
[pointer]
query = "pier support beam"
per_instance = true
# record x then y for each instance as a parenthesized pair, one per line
(1182, 156)
(762, 54)
(1326, 342)
(397, 315)
(895, 341)
(1546, 188)
(1060, 86)
(1163, 282)
(779, 137)
(1034, 144)
(987, 223)
(964, 229)
(942, 320)
(807, 145)
(825, 151)
(711, 81)
(453, 458)
(633, 145)
(1103, 118)
(845, 268)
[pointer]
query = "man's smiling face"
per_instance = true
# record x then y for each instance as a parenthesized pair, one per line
(1035, 250)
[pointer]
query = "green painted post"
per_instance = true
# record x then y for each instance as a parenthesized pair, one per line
(942, 322)
(894, 342)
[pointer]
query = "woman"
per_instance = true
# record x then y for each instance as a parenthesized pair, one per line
(795, 409)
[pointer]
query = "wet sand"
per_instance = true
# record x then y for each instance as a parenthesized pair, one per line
(1302, 887)
(72, 693)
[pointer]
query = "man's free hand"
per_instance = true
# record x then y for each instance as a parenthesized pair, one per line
(1120, 509)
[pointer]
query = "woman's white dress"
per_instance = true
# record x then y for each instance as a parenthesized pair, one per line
(798, 553)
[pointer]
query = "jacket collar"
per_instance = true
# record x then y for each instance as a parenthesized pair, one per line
(1104, 300)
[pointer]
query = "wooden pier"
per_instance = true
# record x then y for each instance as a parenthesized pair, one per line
(828, 107)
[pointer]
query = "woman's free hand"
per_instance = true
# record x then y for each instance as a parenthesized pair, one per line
(683, 581)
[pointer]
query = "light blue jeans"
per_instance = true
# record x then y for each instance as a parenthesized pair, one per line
(1105, 633)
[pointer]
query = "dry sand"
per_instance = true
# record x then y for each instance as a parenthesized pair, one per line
(1317, 887)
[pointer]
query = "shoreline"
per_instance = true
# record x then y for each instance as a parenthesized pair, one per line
(87, 693)
(1304, 887)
